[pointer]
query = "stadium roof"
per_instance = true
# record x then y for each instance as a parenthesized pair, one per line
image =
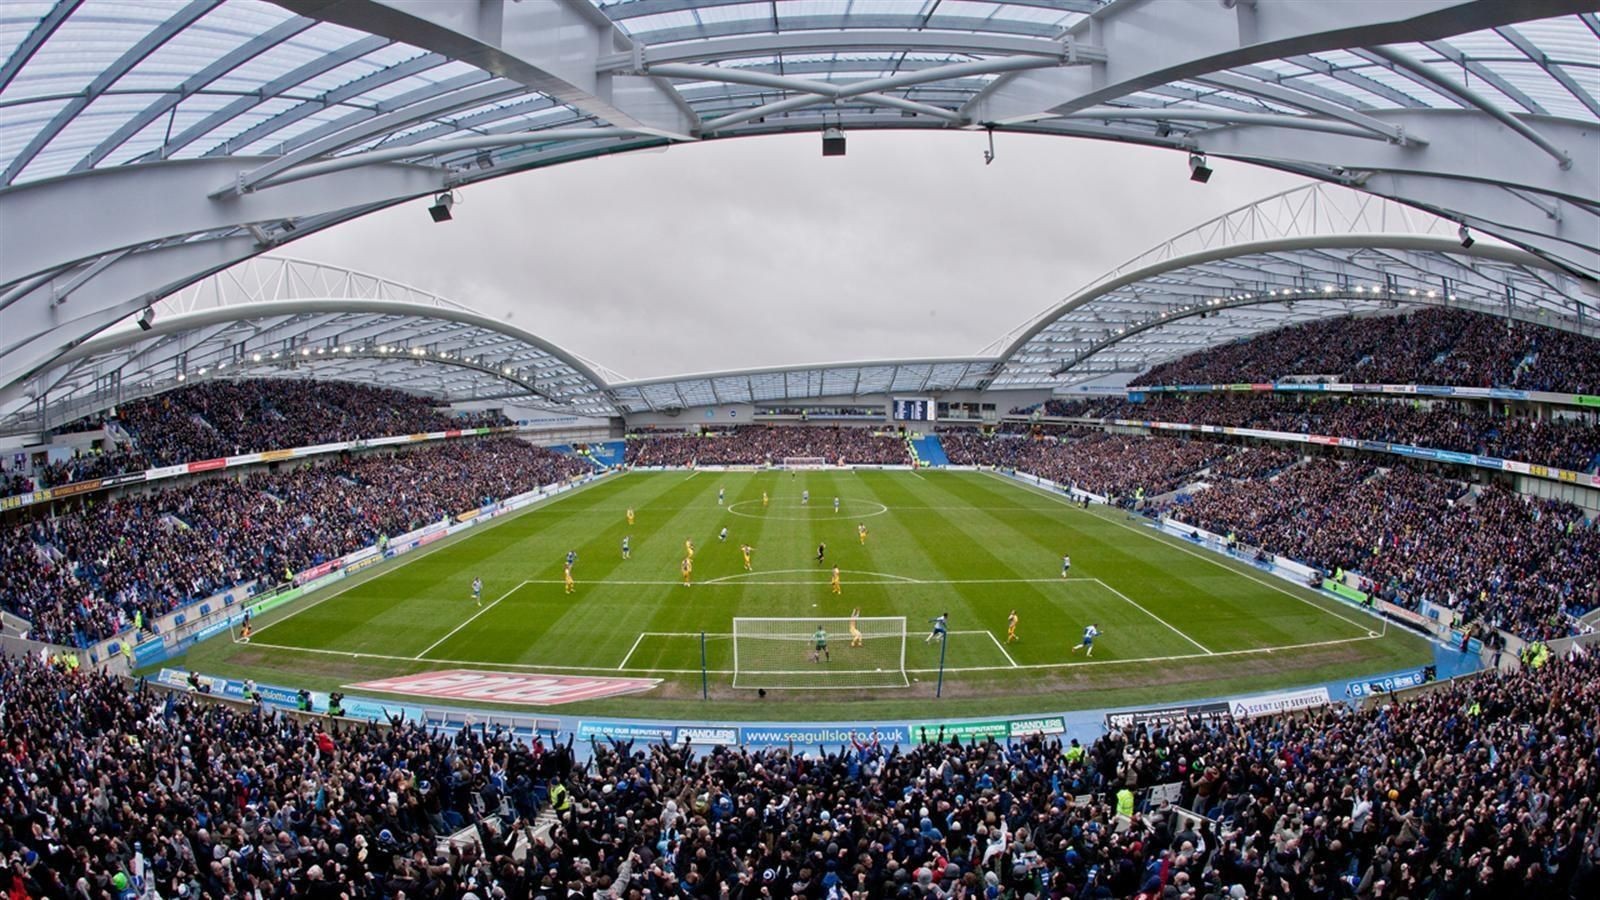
(836, 380)
(147, 145)
(287, 318)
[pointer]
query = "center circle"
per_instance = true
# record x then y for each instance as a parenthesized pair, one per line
(823, 509)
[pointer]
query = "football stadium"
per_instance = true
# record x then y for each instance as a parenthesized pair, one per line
(1257, 557)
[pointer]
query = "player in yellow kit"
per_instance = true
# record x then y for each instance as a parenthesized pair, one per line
(566, 576)
(688, 548)
(861, 532)
(630, 515)
(1011, 627)
(833, 585)
(763, 499)
(855, 633)
(688, 570)
(746, 550)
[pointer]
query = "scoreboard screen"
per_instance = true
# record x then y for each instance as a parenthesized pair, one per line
(913, 409)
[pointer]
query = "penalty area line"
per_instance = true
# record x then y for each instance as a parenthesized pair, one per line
(1175, 629)
(451, 633)
(624, 664)
(1002, 648)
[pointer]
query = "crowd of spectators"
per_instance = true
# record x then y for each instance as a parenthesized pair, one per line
(1433, 346)
(764, 444)
(1519, 563)
(226, 418)
(1254, 462)
(83, 575)
(87, 466)
(1484, 788)
(1567, 443)
(1111, 465)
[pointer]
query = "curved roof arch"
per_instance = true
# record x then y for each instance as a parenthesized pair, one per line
(444, 351)
(1175, 306)
(258, 122)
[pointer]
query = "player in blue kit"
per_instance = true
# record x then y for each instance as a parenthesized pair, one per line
(1089, 634)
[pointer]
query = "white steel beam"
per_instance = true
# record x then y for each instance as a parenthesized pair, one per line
(1436, 78)
(549, 46)
(1154, 43)
(139, 204)
(35, 329)
(814, 92)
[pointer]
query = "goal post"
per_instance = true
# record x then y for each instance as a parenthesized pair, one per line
(805, 462)
(780, 653)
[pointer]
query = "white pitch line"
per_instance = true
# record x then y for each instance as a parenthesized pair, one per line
(917, 475)
(624, 663)
(650, 671)
(1210, 558)
(737, 576)
(1002, 648)
(451, 633)
(883, 578)
(1154, 659)
(1175, 629)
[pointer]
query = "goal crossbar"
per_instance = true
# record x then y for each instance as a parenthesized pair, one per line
(804, 462)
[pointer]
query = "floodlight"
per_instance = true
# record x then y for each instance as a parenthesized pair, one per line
(832, 142)
(147, 318)
(1198, 170)
(440, 210)
(1465, 234)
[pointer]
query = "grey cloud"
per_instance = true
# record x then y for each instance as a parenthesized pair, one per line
(760, 252)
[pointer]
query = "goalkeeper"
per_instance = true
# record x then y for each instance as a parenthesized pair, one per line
(819, 645)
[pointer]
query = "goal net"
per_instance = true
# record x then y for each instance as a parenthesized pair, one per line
(782, 653)
(804, 462)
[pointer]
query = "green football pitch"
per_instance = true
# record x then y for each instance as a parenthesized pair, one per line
(1177, 622)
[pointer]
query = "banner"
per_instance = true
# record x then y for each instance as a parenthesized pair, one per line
(966, 732)
(1401, 613)
(649, 732)
(1386, 684)
(810, 735)
(1208, 714)
(317, 571)
(1344, 590)
(1039, 725)
(706, 735)
(1272, 704)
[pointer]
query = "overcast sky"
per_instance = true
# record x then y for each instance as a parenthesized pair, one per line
(758, 251)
